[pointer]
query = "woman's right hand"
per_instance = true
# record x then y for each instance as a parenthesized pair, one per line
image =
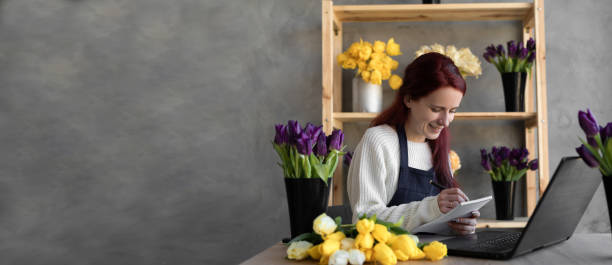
(450, 198)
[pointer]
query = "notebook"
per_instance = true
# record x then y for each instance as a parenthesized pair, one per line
(439, 225)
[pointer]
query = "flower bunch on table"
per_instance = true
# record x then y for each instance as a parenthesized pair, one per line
(596, 151)
(468, 64)
(519, 58)
(307, 152)
(373, 61)
(504, 164)
(369, 240)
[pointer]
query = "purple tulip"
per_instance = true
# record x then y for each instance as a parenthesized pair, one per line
(592, 142)
(524, 154)
(281, 134)
(531, 57)
(498, 161)
(511, 49)
(484, 162)
(531, 45)
(523, 53)
(515, 154)
(321, 149)
(334, 141)
(348, 157)
(294, 131)
(304, 144)
(605, 132)
(588, 123)
(491, 50)
(521, 166)
(487, 57)
(504, 153)
(586, 155)
(500, 50)
(514, 162)
(533, 165)
(312, 131)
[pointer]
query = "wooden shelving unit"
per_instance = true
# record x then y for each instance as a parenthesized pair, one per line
(530, 14)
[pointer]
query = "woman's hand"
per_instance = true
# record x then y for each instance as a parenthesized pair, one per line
(465, 225)
(450, 198)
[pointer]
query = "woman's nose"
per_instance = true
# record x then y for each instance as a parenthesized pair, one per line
(444, 120)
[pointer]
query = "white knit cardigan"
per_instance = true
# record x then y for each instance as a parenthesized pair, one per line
(372, 181)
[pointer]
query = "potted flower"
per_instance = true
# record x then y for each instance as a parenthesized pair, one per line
(374, 64)
(308, 159)
(596, 151)
(505, 167)
(468, 64)
(513, 67)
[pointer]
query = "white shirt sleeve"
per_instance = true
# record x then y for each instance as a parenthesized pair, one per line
(372, 181)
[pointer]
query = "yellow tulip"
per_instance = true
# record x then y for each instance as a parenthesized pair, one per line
(455, 161)
(353, 50)
(376, 77)
(328, 247)
(384, 255)
(435, 251)
(377, 56)
(386, 72)
(361, 65)
(395, 82)
(394, 64)
(419, 255)
(393, 48)
(364, 241)
(375, 64)
(365, 226)
(379, 46)
(381, 233)
(368, 254)
(324, 260)
(314, 253)
(404, 248)
(337, 236)
(365, 52)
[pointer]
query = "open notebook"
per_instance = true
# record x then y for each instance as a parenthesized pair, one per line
(439, 226)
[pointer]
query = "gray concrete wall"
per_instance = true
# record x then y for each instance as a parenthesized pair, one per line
(138, 132)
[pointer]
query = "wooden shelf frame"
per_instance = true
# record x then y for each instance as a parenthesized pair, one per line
(535, 116)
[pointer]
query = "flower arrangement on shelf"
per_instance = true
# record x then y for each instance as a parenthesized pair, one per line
(468, 63)
(373, 61)
(369, 240)
(307, 152)
(597, 150)
(455, 161)
(519, 58)
(504, 164)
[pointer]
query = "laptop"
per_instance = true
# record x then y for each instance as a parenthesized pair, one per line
(554, 220)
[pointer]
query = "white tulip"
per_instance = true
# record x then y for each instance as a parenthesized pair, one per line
(356, 257)
(340, 257)
(347, 243)
(324, 225)
(298, 250)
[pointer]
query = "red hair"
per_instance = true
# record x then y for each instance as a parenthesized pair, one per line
(424, 75)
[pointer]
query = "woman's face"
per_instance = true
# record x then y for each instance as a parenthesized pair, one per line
(430, 114)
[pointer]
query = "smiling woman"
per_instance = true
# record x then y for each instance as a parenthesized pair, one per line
(407, 146)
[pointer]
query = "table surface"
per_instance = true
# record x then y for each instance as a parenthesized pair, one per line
(579, 249)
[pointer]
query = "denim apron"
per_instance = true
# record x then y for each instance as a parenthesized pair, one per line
(412, 184)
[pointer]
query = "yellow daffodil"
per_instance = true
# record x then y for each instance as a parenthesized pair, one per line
(395, 82)
(379, 46)
(435, 251)
(364, 241)
(381, 233)
(393, 49)
(384, 255)
(314, 253)
(298, 250)
(365, 226)
(405, 248)
(324, 225)
(376, 77)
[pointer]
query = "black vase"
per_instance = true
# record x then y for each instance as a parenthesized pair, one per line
(514, 91)
(503, 192)
(607, 181)
(431, 1)
(307, 199)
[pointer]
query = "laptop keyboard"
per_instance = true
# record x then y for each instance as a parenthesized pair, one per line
(505, 241)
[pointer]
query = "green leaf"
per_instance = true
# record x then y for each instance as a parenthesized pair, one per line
(311, 237)
(338, 220)
(399, 222)
(399, 231)
(421, 245)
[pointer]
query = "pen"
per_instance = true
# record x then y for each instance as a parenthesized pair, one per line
(437, 185)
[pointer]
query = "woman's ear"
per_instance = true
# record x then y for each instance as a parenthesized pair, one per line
(407, 101)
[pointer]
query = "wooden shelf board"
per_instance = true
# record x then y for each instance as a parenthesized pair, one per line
(366, 117)
(518, 222)
(438, 12)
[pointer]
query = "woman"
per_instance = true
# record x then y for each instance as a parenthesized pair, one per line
(406, 146)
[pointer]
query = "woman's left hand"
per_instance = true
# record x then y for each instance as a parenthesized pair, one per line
(465, 225)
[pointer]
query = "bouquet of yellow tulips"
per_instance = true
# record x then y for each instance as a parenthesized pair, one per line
(373, 61)
(370, 240)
